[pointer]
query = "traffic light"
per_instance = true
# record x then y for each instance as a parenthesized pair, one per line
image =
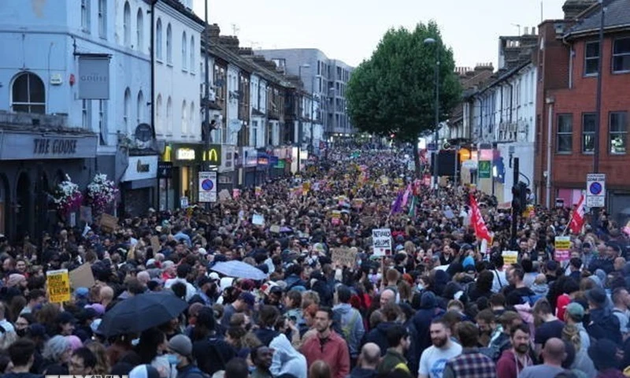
(519, 197)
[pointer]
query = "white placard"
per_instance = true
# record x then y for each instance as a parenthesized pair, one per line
(208, 186)
(258, 220)
(382, 241)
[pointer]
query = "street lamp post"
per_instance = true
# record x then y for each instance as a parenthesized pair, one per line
(433, 41)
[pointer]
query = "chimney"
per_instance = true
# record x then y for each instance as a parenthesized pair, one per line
(533, 30)
(573, 8)
(526, 30)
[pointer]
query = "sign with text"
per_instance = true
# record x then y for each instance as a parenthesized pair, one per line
(82, 277)
(382, 241)
(344, 257)
(109, 223)
(58, 284)
(208, 186)
(94, 77)
(509, 257)
(562, 246)
(595, 190)
(484, 169)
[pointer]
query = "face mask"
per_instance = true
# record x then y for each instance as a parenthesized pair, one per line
(21, 332)
(172, 359)
(420, 286)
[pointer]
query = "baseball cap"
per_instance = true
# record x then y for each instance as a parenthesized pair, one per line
(248, 298)
(575, 310)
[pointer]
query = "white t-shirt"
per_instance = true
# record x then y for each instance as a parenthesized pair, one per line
(499, 280)
(434, 359)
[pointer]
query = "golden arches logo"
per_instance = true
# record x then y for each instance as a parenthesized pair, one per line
(213, 155)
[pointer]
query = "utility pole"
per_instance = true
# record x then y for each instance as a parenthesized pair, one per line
(598, 106)
(206, 91)
(516, 210)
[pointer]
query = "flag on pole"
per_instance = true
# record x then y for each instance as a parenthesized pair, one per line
(405, 197)
(397, 205)
(577, 218)
(481, 231)
(412, 207)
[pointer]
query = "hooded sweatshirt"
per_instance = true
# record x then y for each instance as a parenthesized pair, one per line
(422, 322)
(509, 366)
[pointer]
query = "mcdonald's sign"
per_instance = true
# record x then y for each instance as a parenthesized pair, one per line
(212, 154)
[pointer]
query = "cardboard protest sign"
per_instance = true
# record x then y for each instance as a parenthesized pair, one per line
(58, 284)
(562, 246)
(382, 241)
(109, 223)
(82, 277)
(224, 195)
(344, 256)
(155, 244)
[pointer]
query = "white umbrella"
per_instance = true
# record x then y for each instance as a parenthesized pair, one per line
(239, 269)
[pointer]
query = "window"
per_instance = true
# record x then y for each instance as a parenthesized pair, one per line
(591, 58)
(169, 116)
(169, 45)
(192, 118)
(589, 124)
(85, 15)
(86, 114)
(102, 121)
(617, 130)
(102, 18)
(621, 55)
(139, 30)
(565, 134)
(158, 114)
(28, 94)
(158, 40)
(192, 54)
(126, 109)
(127, 24)
(140, 108)
(184, 118)
(184, 52)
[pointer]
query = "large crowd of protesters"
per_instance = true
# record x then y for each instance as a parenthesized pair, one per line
(440, 304)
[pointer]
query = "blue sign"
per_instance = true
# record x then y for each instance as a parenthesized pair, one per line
(595, 188)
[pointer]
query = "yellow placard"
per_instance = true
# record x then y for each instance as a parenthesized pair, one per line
(58, 283)
(510, 257)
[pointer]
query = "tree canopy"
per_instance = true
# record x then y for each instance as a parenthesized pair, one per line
(394, 91)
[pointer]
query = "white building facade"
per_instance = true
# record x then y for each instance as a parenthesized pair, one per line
(502, 118)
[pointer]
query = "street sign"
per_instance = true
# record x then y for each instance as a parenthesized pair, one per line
(208, 186)
(432, 147)
(595, 190)
(165, 169)
(484, 169)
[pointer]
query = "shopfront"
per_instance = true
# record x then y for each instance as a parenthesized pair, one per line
(227, 168)
(249, 165)
(180, 186)
(138, 185)
(31, 166)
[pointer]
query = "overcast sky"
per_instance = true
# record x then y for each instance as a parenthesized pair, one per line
(349, 30)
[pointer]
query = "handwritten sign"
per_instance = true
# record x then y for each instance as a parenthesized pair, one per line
(224, 195)
(562, 246)
(258, 220)
(155, 244)
(58, 282)
(109, 223)
(336, 217)
(344, 256)
(382, 241)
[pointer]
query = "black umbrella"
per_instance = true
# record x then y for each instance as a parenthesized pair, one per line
(140, 313)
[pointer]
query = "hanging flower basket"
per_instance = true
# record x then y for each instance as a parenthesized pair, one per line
(101, 193)
(67, 197)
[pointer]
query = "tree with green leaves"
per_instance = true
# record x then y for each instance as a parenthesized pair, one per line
(394, 91)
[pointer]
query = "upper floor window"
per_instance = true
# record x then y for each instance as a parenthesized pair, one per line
(621, 55)
(192, 54)
(589, 125)
(158, 40)
(169, 116)
(617, 131)
(565, 134)
(102, 18)
(169, 44)
(127, 24)
(140, 108)
(184, 118)
(85, 15)
(184, 52)
(139, 30)
(591, 58)
(126, 110)
(159, 126)
(28, 94)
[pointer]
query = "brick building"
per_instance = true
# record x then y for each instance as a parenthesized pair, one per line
(566, 103)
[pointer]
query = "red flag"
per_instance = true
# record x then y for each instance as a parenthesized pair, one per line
(577, 220)
(481, 231)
